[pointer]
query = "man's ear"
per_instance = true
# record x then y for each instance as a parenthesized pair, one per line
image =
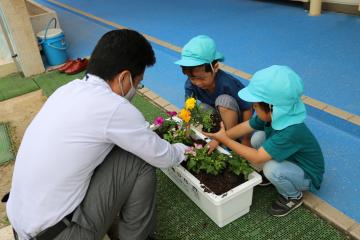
(120, 77)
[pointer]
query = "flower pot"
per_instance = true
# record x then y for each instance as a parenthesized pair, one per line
(222, 209)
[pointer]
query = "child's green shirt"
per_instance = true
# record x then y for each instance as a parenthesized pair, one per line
(296, 144)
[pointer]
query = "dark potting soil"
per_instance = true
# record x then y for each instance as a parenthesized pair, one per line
(215, 126)
(221, 183)
(216, 118)
(218, 184)
(202, 142)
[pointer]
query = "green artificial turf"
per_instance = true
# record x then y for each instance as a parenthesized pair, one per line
(51, 81)
(149, 110)
(15, 85)
(6, 151)
(179, 218)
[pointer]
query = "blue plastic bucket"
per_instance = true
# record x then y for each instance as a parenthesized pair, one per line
(52, 41)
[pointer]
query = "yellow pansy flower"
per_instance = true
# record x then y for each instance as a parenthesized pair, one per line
(185, 115)
(190, 103)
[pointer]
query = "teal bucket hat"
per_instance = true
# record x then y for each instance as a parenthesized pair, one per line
(198, 51)
(281, 87)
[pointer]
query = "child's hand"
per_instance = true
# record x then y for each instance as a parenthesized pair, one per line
(220, 135)
(212, 146)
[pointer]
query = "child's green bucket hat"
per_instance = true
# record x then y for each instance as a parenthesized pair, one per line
(198, 51)
(281, 87)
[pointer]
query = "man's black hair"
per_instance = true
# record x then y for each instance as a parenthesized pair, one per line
(189, 70)
(120, 50)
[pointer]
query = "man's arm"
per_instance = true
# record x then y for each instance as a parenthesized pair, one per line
(131, 132)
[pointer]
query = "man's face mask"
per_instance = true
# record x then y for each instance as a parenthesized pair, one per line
(131, 93)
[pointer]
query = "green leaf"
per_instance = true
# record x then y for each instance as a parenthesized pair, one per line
(191, 163)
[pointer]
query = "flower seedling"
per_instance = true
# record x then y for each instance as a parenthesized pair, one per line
(195, 115)
(198, 159)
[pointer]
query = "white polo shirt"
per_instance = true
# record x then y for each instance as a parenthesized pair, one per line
(70, 136)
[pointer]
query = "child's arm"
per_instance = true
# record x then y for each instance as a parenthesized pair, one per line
(236, 132)
(246, 137)
(239, 130)
(250, 154)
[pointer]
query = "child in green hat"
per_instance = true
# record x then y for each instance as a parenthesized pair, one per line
(293, 159)
(214, 88)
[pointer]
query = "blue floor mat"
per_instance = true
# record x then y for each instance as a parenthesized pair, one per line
(253, 35)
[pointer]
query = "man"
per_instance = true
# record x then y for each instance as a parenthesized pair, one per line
(69, 181)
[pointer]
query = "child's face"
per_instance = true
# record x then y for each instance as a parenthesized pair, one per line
(202, 79)
(262, 114)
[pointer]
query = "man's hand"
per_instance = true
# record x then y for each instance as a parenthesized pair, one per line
(184, 149)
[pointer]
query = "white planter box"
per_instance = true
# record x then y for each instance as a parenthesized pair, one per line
(222, 209)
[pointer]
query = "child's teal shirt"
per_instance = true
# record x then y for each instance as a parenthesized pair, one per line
(296, 144)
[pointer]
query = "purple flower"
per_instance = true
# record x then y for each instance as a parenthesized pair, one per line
(159, 121)
(171, 114)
